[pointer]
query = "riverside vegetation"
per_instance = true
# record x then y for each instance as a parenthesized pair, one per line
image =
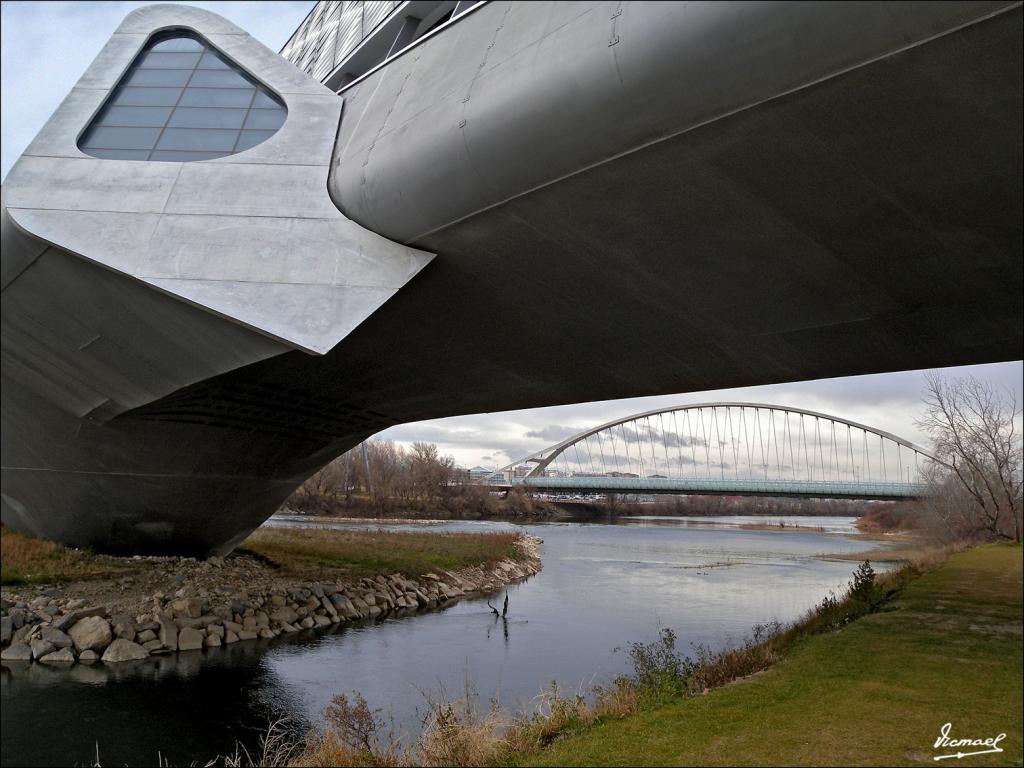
(826, 689)
(61, 606)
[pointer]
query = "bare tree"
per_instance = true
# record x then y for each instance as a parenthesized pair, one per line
(977, 441)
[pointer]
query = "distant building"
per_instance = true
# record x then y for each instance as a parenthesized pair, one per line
(476, 474)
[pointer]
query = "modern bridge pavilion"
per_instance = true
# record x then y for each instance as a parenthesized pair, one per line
(223, 266)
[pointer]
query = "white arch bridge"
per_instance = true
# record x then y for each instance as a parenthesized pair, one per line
(747, 449)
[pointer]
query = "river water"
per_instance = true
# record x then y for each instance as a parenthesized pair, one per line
(602, 587)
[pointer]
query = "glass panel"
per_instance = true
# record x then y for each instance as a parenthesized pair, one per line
(265, 118)
(184, 157)
(146, 97)
(216, 97)
(178, 44)
(144, 116)
(249, 139)
(120, 154)
(264, 100)
(159, 77)
(157, 60)
(209, 117)
(121, 138)
(212, 61)
(218, 79)
(202, 139)
(182, 101)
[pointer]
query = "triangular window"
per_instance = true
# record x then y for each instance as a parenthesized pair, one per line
(182, 100)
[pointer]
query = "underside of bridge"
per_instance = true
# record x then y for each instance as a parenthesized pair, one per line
(868, 223)
(864, 222)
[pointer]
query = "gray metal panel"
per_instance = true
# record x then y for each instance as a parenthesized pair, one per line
(129, 285)
(492, 127)
(375, 11)
(350, 30)
(283, 177)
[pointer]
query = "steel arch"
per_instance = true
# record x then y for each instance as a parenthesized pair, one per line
(811, 474)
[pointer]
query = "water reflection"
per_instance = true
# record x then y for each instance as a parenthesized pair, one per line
(602, 586)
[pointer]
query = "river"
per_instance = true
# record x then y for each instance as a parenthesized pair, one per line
(602, 587)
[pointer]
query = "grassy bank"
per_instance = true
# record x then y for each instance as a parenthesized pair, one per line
(289, 552)
(354, 553)
(947, 648)
(27, 560)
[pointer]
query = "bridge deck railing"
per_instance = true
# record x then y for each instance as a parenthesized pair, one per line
(656, 485)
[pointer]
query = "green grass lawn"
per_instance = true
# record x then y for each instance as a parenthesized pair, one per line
(947, 649)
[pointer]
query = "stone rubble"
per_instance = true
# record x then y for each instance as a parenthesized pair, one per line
(53, 628)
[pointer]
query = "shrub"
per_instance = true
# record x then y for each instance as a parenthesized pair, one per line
(659, 672)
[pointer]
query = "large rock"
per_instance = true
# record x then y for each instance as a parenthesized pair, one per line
(196, 622)
(91, 634)
(168, 632)
(40, 648)
(55, 636)
(88, 657)
(284, 615)
(123, 649)
(328, 606)
(6, 630)
(190, 639)
(123, 626)
(62, 656)
(188, 607)
(145, 636)
(17, 652)
(64, 623)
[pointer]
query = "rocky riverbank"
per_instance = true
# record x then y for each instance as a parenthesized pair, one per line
(175, 605)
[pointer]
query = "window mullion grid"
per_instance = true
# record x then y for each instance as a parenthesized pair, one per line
(248, 110)
(176, 103)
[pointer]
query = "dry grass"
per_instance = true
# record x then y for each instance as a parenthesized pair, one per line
(915, 552)
(783, 527)
(26, 560)
(353, 554)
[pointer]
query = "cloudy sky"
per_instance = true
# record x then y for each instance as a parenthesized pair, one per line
(47, 46)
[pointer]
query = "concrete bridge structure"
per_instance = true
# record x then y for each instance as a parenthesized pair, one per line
(219, 271)
(733, 449)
